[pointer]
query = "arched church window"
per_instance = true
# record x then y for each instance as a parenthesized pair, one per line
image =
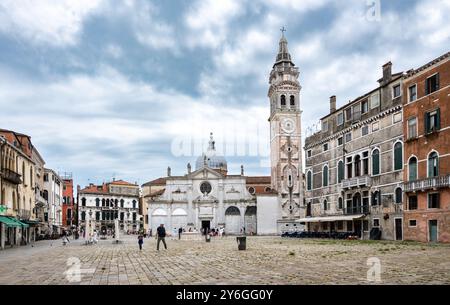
(283, 100)
(292, 100)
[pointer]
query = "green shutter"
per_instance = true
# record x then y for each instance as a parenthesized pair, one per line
(376, 163)
(398, 156)
(309, 181)
(438, 119)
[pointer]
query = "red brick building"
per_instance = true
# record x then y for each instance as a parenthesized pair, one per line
(426, 126)
(68, 207)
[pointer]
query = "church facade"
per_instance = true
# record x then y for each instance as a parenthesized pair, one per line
(210, 197)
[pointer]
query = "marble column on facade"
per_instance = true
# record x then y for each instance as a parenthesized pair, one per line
(190, 209)
(169, 217)
(221, 212)
(242, 210)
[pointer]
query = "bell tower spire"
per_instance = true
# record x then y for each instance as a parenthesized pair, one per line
(285, 134)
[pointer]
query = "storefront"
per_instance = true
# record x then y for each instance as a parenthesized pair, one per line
(12, 232)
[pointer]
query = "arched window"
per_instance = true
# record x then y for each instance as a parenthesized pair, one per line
(325, 205)
(376, 198)
(31, 176)
(103, 202)
(375, 162)
(134, 204)
(107, 202)
(292, 100)
(341, 171)
(309, 180)
(121, 203)
(116, 203)
(398, 195)
(283, 100)
(97, 202)
(340, 203)
(412, 168)
(83, 215)
(398, 156)
(325, 176)
(23, 172)
(83, 202)
(433, 165)
(357, 161)
(308, 209)
(45, 195)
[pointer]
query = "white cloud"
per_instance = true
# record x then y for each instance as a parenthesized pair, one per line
(208, 21)
(56, 23)
(114, 51)
(300, 6)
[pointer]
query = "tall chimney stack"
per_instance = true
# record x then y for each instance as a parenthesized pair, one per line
(387, 72)
(169, 171)
(333, 104)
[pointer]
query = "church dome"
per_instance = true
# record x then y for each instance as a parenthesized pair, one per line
(210, 159)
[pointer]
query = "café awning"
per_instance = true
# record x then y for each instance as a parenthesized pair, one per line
(12, 222)
(331, 218)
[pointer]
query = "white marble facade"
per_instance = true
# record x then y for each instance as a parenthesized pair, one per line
(225, 202)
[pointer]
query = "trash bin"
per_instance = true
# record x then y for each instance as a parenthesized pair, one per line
(207, 237)
(242, 242)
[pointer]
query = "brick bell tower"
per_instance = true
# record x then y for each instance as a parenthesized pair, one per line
(285, 135)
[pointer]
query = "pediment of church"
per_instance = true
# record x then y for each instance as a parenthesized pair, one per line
(205, 173)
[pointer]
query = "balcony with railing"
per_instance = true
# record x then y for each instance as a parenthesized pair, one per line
(356, 182)
(24, 214)
(11, 176)
(353, 210)
(427, 184)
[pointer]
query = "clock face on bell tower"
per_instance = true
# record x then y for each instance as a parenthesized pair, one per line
(285, 135)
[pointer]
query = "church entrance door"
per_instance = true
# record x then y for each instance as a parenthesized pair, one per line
(206, 225)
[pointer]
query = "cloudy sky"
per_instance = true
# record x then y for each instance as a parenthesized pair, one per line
(125, 89)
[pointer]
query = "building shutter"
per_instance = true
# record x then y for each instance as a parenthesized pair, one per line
(375, 163)
(398, 156)
(426, 122)
(438, 119)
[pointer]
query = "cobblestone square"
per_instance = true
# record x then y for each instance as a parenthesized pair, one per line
(267, 260)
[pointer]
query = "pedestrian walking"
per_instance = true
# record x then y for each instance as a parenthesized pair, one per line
(140, 241)
(161, 236)
(95, 237)
(180, 230)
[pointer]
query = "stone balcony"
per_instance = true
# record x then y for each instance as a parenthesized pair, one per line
(356, 182)
(11, 176)
(427, 184)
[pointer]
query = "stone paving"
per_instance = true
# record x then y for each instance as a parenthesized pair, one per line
(267, 260)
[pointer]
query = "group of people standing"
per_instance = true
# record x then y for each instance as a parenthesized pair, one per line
(160, 236)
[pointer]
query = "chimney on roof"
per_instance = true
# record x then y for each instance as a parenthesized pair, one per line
(168, 171)
(332, 103)
(242, 170)
(189, 168)
(114, 179)
(387, 72)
